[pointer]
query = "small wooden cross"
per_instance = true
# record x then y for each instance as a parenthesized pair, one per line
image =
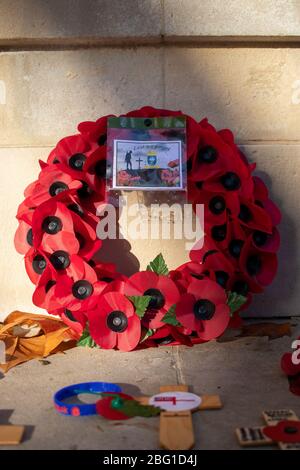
(11, 435)
(254, 436)
(176, 427)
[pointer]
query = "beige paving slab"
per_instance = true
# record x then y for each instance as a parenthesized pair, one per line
(233, 18)
(253, 91)
(139, 373)
(245, 373)
(44, 95)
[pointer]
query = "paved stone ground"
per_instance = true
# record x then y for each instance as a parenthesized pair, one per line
(245, 373)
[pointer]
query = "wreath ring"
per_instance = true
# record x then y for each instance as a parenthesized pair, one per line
(193, 303)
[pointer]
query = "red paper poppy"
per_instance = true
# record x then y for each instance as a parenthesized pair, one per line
(104, 406)
(214, 156)
(237, 178)
(220, 269)
(203, 309)
(287, 365)
(286, 431)
(44, 294)
(78, 288)
(25, 211)
(113, 323)
(72, 151)
(266, 242)
(186, 273)
(23, 237)
(55, 181)
(257, 266)
(89, 245)
(162, 290)
(294, 381)
(216, 205)
(35, 263)
(202, 249)
(75, 205)
(261, 197)
(254, 217)
(53, 228)
(95, 131)
(75, 320)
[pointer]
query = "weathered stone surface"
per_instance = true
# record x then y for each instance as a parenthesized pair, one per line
(212, 368)
(278, 166)
(85, 21)
(252, 91)
(49, 93)
(255, 92)
(21, 168)
(233, 18)
(65, 19)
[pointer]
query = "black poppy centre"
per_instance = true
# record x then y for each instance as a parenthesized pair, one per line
(204, 309)
(245, 214)
(52, 225)
(231, 181)
(221, 278)
(117, 321)
(235, 247)
(260, 238)
(57, 187)
(29, 237)
(39, 264)
(82, 289)
(157, 300)
(219, 232)
(60, 259)
(254, 265)
(217, 205)
(208, 154)
(77, 161)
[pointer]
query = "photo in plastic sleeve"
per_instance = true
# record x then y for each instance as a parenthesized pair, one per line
(147, 164)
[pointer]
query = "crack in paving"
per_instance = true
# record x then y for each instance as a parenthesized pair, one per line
(178, 365)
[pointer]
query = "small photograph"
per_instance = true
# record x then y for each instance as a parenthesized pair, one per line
(147, 164)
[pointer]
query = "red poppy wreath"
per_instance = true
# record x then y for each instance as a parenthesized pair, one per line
(194, 303)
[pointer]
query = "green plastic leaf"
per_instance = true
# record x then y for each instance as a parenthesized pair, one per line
(170, 317)
(235, 301)
(158, 266)
(146, 334)
(86, 340)
(140, 303)
(134, 408)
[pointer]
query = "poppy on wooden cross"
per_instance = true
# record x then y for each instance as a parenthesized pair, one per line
(176, 425)
(283, 429)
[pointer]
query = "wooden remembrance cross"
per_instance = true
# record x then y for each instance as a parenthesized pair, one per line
(254, 436)
(176, 427)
